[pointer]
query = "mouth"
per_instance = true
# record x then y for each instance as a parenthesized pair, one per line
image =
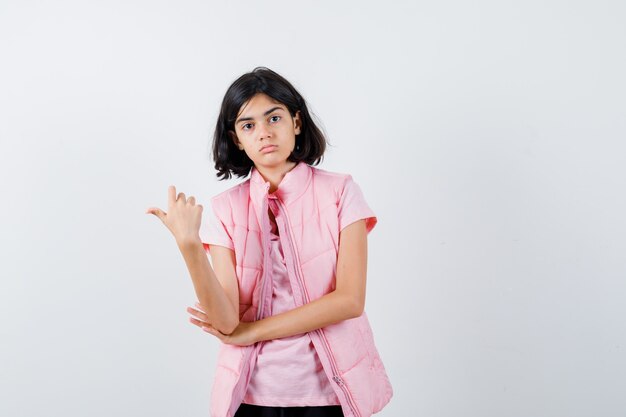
(268, 148)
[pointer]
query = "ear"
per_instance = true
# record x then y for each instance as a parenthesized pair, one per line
(233, 136)
(298, 123)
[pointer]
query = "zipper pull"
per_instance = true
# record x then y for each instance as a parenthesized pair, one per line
(338, 380)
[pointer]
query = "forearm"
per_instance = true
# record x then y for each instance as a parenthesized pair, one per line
(328, 309)
(211, 295)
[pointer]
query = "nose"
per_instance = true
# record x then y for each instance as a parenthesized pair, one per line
(263, 130)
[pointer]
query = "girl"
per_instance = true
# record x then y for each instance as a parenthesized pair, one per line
(285, 290)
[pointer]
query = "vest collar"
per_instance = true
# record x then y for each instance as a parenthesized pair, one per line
(291, 187)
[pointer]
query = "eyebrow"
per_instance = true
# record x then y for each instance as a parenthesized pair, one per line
(241, 119)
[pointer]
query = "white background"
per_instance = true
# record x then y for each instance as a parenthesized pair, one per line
(488, 136)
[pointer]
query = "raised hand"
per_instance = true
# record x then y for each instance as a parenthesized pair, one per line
(183, 217)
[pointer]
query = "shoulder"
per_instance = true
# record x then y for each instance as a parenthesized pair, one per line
(332, 178)
(334, 181)
(223, 201)
(349, 198)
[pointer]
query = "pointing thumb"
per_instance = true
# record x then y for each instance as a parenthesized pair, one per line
(156, 211)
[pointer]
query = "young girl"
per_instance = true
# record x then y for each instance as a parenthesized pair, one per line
(285, 293)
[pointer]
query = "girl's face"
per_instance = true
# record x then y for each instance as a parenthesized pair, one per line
(265, 130)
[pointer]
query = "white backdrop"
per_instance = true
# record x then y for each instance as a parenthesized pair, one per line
(488, 136)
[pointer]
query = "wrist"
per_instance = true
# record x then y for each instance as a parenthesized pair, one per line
(257, 330)
(188, 242)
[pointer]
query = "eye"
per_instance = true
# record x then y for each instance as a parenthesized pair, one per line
(275, 116)
(243, 127)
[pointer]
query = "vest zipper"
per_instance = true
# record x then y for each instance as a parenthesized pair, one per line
(325, 344)
(265, 207)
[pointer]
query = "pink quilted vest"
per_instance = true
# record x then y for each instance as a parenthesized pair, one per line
(316, 204)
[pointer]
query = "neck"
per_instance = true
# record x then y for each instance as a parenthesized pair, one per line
(275, 174)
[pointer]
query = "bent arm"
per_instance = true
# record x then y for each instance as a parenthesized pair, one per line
(328, 309)
(221, 309)
(345, 302)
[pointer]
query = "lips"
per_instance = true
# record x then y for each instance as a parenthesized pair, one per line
(268, 148)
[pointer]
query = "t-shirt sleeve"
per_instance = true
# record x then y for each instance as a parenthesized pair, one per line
(213, 231)
(353, 207)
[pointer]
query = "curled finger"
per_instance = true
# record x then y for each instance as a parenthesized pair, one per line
(198, 314)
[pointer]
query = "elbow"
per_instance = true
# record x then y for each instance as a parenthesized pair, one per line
(358, 310)
(357, 307)
(223, 322)
(230, 327)
(350, 306)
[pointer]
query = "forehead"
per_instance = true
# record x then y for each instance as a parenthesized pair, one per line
(257, 105)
